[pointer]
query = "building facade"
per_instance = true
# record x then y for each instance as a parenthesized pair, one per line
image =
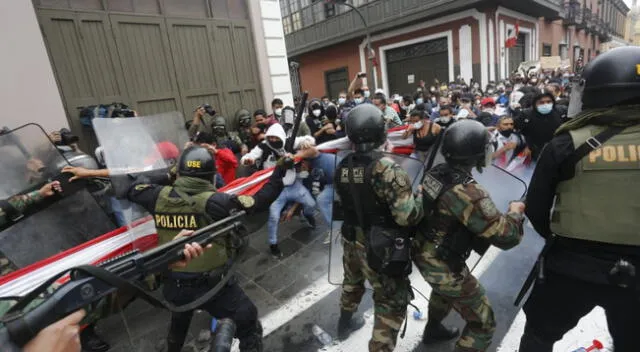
(153, 55)
(417, 40)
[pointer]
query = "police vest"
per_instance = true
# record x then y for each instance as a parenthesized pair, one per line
(602, 201)
(174, 213)
(454, 239)
(374, 210)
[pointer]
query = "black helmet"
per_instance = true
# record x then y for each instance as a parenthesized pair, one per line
(612, 78)
(465, 143)
(243, 116)
(365, 127)
(197, 161)
(219, 126)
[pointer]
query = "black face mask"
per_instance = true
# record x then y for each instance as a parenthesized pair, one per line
(245, 122)
(277, 144)
(262, 126)
(506, 133)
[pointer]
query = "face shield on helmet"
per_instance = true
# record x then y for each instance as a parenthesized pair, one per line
(288, 116)
(489, 149)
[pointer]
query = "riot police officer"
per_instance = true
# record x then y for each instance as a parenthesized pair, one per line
(460, 216)
(243, 118)
(591, 168)
(222, 136)
(192, 203)
(377, 203)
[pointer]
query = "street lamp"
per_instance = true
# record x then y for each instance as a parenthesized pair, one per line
(372, 54)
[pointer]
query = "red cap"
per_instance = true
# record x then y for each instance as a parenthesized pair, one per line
(164, 150)
(487, 101)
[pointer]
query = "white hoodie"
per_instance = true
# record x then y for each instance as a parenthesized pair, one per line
(276, 130)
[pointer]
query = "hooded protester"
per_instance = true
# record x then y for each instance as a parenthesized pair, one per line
(538, 123)
(265, 154)
(320, 127)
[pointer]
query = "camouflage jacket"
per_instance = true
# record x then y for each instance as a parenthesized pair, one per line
(471, 205)
(20, 203)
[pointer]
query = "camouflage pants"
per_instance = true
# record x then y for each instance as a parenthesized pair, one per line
(390, 296)
(461, 292)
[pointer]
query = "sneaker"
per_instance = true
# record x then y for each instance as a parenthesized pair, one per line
(311, 220)
(327, 238)
(275, 251)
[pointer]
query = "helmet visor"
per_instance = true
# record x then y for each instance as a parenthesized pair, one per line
(489, 149)
(575, 100)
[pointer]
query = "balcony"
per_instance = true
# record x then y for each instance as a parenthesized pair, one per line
(572, 13)
(605, 31)
(321, 24)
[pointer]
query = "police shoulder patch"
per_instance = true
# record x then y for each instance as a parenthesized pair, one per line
(400, 177)
(246, 201)
(488, 208)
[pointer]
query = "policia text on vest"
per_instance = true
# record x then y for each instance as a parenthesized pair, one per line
(177, 221)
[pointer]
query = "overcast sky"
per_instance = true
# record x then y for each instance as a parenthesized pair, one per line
(628, 2)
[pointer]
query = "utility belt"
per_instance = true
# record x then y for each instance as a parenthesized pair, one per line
(388, 248)
(196, 280)
(455, 248)
(621, 272)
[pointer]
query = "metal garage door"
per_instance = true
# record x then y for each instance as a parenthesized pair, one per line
(424, 61)
(155, 55)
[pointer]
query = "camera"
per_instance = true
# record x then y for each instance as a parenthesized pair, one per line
(67, 138)
(208, 109)
(121, 110)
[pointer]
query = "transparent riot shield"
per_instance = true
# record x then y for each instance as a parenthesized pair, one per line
(137, 145)
(414, 169)
(575, 100)
(34, 227)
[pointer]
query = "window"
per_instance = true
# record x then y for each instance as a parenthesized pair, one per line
(323, 10)
(296, 21)
(286, 24)
(546, 49)
(284, 8)
(563, 49)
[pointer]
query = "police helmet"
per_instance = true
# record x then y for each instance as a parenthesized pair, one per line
(612, 78)
(219, 126)
(466, 143)
(366, 127)
(197, 161)
(243, 116)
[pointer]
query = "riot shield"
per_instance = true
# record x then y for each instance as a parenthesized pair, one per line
(575, 100)
(414, 169)
(35, 230)
(140, 144)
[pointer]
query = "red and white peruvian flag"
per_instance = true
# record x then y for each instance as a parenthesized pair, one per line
(512, 40)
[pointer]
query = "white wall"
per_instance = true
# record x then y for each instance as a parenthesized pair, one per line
(266, 21)
(28, 90)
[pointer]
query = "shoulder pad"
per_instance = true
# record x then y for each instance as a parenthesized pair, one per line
(246, 202)
(142, 187)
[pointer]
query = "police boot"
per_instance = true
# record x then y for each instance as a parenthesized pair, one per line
(436, 332)
(348, 324)
(91, 342)
(532, 343)
(253, 341)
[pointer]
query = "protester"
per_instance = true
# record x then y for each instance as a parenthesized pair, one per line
(424, 132)
(539, 123)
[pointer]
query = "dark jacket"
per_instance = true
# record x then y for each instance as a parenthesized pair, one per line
(538, 129)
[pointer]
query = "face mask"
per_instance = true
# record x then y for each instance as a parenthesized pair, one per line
(367, 93)
(262, 126)
(245, 122)
(342, 100)
(316, 112)
(489, 110)
(278, 111)
(419, 101)
(506, 133)
(466, 105)
(418, 125)
(545, 109)
(219, 131)
(358, 101)
(419, 90)
(477, 102)
(445, 119)
(276, 145)
(434, 100)
(303, 174)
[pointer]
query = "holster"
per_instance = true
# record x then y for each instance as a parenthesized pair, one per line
(389, 251)
(455, 249)
(348, 232)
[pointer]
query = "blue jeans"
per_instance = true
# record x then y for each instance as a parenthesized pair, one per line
(298, 193)
(325, 203)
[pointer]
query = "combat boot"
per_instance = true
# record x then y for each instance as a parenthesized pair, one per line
(436, 332)
(253, 341)
(91, 342)
(348, 324)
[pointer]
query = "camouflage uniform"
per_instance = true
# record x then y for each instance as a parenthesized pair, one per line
(20, 203)
(469, 205)
(391, 294)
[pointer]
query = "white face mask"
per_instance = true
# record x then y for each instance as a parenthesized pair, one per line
(342, 100)
(278, 111)
(418, 125)
(367, 93)
(316, 112)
